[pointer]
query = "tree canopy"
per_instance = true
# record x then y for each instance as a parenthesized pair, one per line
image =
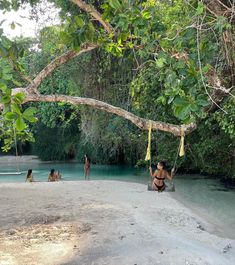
(177, 60)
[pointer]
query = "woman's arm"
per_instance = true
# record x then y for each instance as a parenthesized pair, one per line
(170, 176)
(152, 174)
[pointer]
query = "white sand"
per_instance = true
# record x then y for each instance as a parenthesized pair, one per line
(102, 223)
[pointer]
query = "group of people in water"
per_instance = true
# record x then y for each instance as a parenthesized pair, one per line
(56, 176)
(158, 174)
(53, 176)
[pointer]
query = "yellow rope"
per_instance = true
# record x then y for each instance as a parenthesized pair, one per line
(182, 152)
(148, 154)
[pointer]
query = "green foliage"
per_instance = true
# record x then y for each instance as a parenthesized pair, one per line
(227, 120)
(13, 118)
(77, 31)
(56, 143)
(210, 150)
(148, 65)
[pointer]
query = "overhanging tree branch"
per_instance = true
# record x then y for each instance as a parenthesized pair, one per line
(139, 122)
(64, 58)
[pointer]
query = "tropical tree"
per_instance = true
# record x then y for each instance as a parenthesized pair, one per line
(193, 58)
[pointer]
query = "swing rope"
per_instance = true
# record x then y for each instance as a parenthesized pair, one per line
(177, 154)
(17, 161)
(180, 151)
(148, 153)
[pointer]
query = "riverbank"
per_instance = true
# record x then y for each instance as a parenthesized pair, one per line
(14, 160)
(103, 222)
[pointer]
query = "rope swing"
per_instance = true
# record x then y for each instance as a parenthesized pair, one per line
(180, 150)
(148, 154)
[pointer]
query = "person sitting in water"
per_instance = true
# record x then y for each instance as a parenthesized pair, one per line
(58, 175)
(159, 176)
(29, 176)
(52, 176)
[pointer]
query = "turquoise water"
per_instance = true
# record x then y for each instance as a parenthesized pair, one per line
(74, 171)
(207, 197)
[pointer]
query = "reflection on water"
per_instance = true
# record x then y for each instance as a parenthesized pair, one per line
(207, 197)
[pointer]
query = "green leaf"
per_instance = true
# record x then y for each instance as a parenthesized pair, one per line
(19, 98)
(202, 100)
(114, 4)
(170, 100)
(194, 107)
(6, 42)
(178, 101)
(31, 118)
(3, 51)
(5, 99)
(206, 68)
(15, 108)
(6, 76)
(61, 104)
(160, 62)
(3, 87)
(182, 112)
(146, 15)
(13, 25)
(79, 21)
(20, 124)
(11, 116)
(28, 114)
(200, 8)
(29, 111)
(17, 83)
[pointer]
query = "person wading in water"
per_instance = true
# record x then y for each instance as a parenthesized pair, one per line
(87, 167)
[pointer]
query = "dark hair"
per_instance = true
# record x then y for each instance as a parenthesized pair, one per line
(52, 171)
(29, 172)
(163, 164)
(88, 158)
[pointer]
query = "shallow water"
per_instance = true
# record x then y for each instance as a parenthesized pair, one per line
(210, 199)
(74, 171)
(207, 197)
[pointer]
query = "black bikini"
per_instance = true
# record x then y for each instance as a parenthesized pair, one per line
(160, 178)
(162, 187)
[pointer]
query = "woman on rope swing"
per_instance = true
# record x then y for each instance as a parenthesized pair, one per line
(159, 176)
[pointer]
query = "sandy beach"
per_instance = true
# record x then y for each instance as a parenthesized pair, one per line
(103, 223)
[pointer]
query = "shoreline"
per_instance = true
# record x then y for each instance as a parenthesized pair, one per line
(212, 227)
(103, 222)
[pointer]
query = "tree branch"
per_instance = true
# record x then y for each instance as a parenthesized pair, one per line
(64, 58)
(139, 122)
(94, 13)
(23, 77)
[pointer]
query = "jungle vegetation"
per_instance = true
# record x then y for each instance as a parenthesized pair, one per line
(94, 82)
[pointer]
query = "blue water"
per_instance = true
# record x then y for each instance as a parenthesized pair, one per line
(74, 171)
(207, 197)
